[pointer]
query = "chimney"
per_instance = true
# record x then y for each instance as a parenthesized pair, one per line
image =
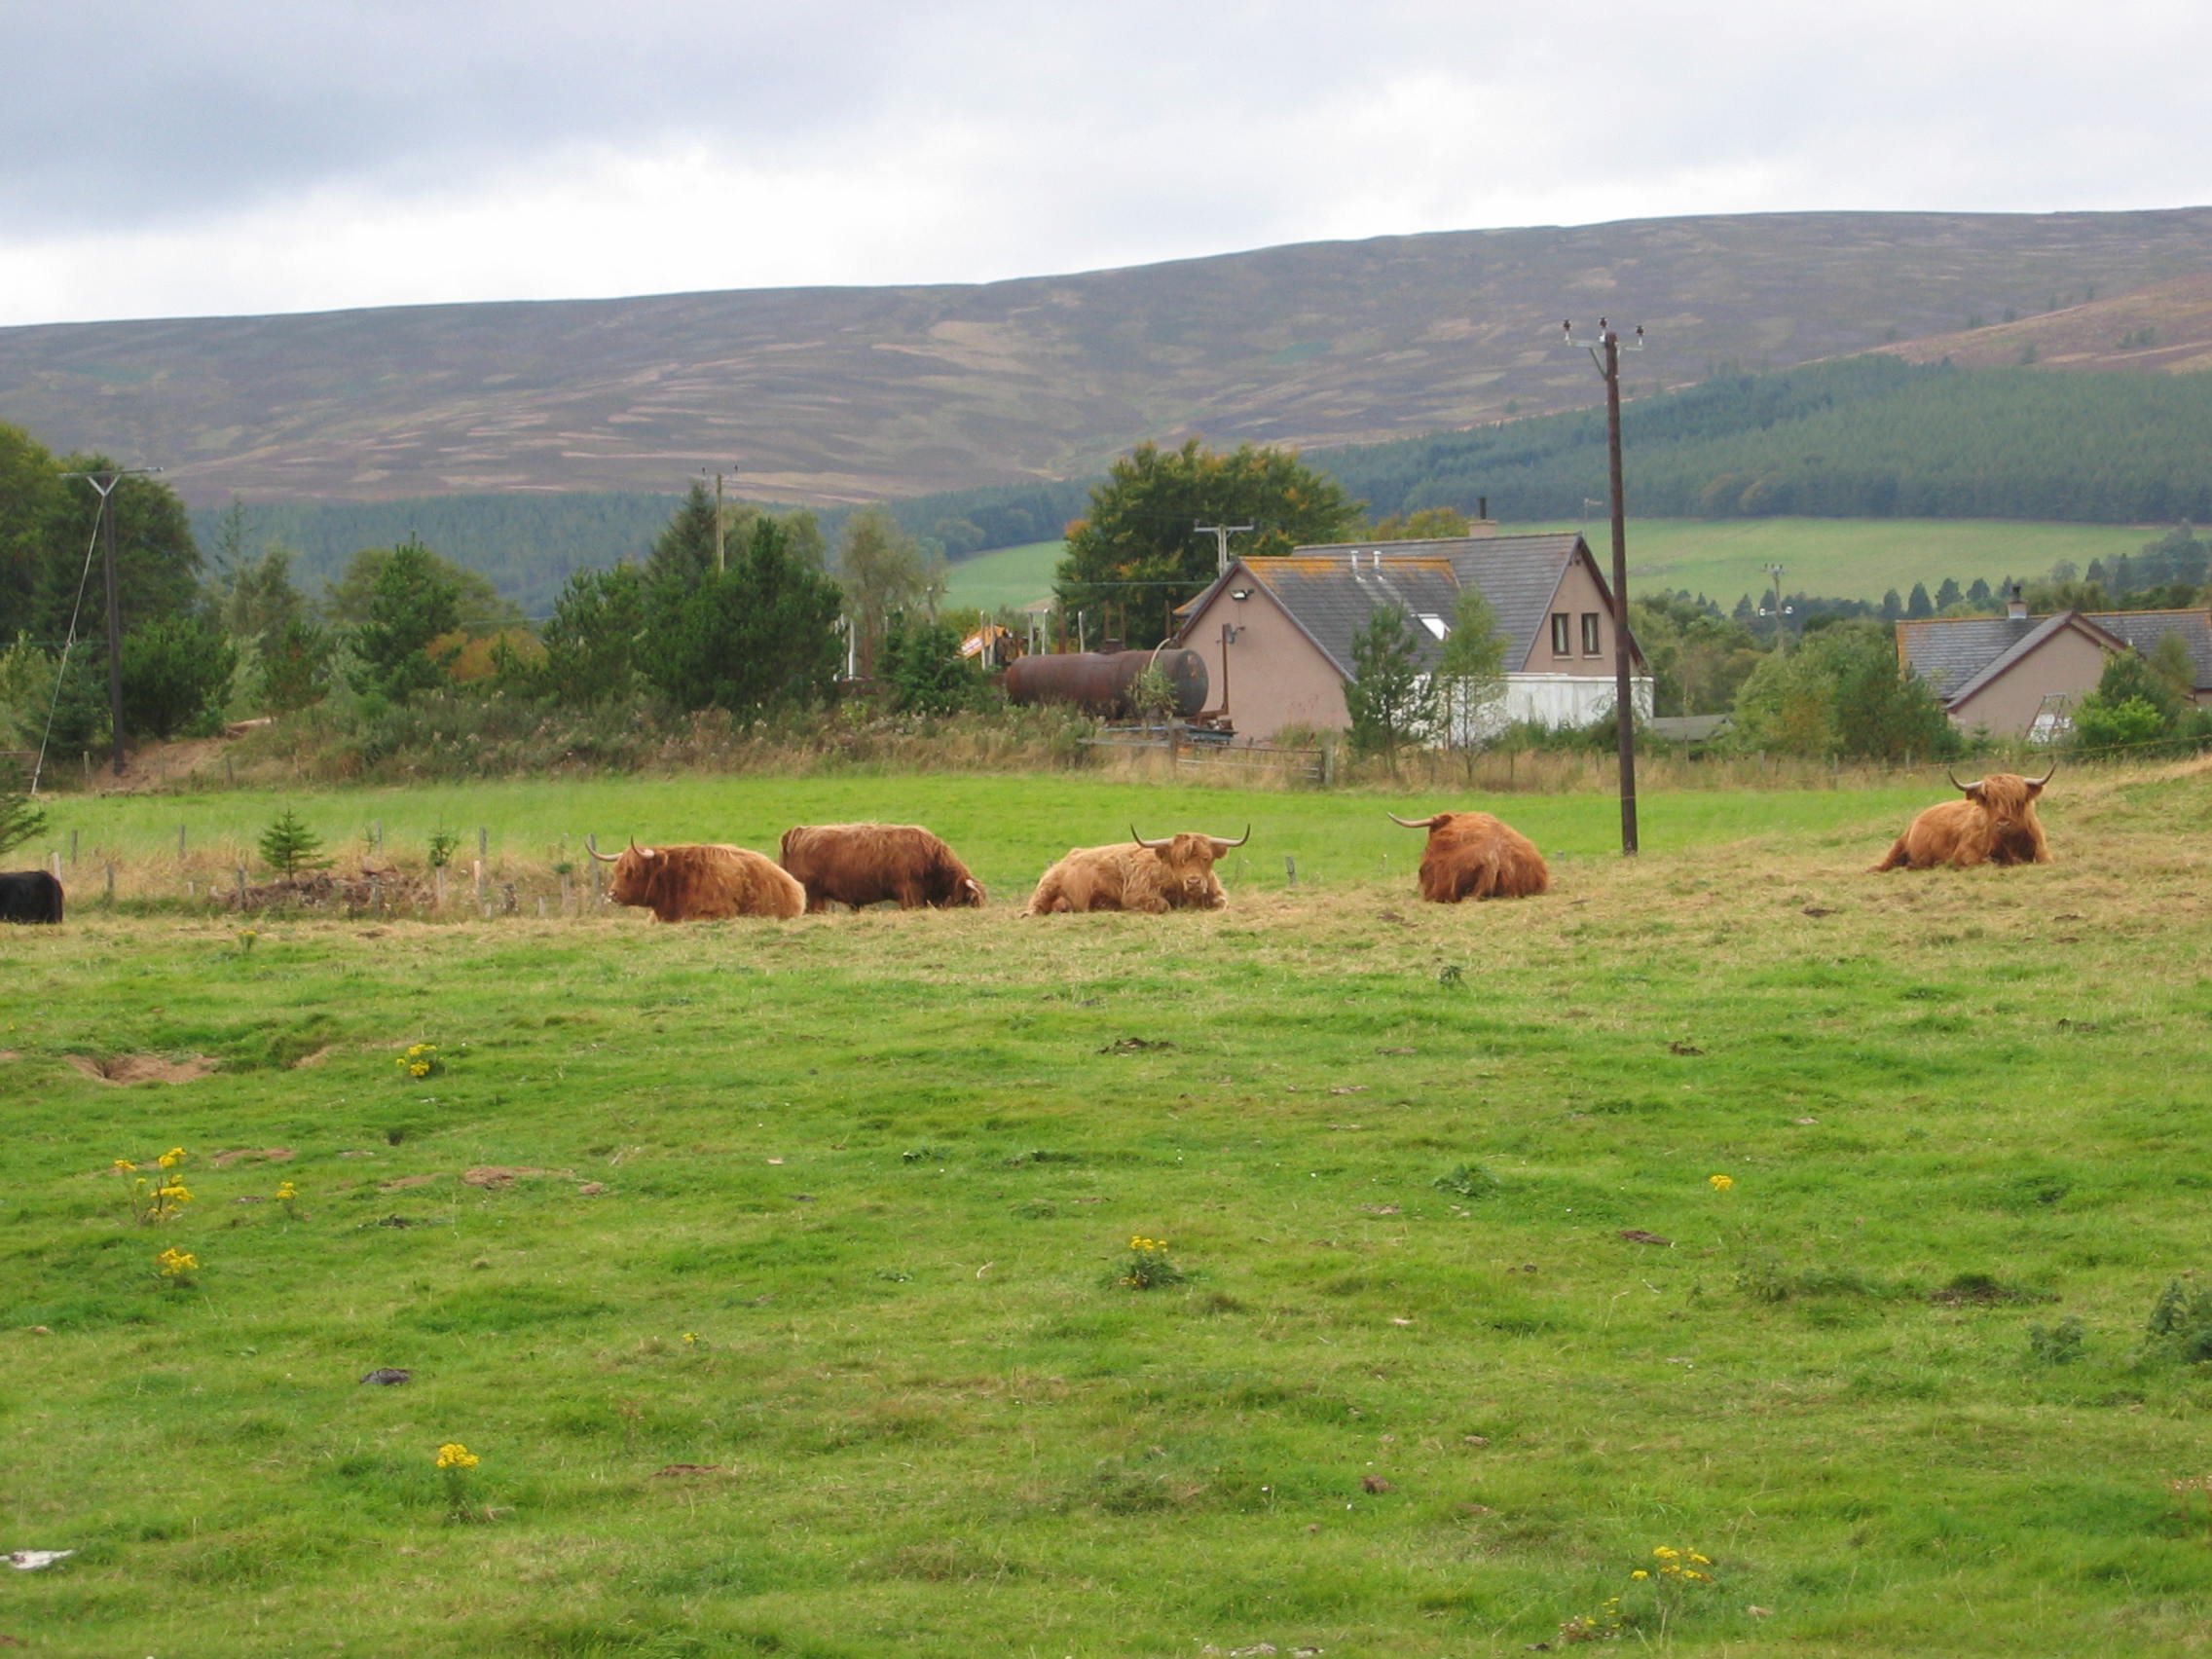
(2015, 608)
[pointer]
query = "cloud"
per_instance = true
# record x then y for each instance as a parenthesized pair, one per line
(214, 156)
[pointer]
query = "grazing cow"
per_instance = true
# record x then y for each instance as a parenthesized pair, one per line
(865, 863)
(30, 895)
(1996, 823)
(1471, 854)
(702, 883)
(1172, 874)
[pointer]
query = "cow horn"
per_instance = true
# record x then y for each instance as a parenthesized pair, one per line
(2047, 776)
(1411, 823)
(1221, 846)
(1963, 789)
(1164, 841)
(605, 858)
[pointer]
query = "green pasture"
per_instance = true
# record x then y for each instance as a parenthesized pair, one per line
(770, 1269)
(1008, 829)
(1006, 575)
(1726, 558)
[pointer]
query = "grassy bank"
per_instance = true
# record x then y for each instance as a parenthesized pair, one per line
(770, 1269)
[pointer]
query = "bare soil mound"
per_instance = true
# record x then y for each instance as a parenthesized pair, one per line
(124, 1069)
(369, 891)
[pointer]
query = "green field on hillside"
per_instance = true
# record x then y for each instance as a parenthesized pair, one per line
(1730, 1251)
(1726, 558)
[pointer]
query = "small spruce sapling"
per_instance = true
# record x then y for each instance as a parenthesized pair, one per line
(289, 847)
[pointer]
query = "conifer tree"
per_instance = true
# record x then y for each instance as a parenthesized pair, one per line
(289, 847)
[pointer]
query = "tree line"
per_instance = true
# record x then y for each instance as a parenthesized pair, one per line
(734, 608)
(1864, 438)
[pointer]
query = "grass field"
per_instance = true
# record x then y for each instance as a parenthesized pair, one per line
(1725, 558)
(770, 1269)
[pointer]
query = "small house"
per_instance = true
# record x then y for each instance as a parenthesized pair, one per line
(2020, 675)
(1276, 633)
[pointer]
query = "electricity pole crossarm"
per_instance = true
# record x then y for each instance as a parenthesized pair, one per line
(1221, 534)
(104, 482)
(1606, 355)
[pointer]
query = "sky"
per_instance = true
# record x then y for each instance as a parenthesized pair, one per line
(218, 158)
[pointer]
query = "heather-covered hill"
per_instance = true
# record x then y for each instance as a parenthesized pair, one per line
(834, 394)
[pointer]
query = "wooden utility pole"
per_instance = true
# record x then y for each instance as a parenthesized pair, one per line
(1221, 533)
(721, 530)
(1607, 354)
(105, 481)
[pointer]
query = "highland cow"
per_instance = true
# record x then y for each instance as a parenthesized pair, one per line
(30, 895)
(1172, 874)
(1995, 823)
(866, 863)
(1471, 854)
(702, 883)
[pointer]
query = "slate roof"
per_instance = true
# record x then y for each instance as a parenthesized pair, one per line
(1331, 590)
(1947, 651)
(2144, 629)
(1331, 598)
(1958, 655)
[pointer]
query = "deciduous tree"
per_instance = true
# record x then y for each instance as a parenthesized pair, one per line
(1136, 552)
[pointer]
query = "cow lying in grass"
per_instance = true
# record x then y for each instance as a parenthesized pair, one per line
(1172, 874)
(1471, 854)
(702, 883)
(30, 895)
(866, 863)
(1995, 823)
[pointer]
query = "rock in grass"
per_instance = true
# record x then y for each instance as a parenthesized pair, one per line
(386, 1376)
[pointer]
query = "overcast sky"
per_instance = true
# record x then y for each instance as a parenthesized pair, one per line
(206, 157)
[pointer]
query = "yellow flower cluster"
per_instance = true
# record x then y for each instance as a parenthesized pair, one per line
(162, 1198)
(1680, 1565)
(455, 1455)
(175, 1264)
(1721, 1183)
(420, 1060)
(1141, 1244)
(286, 1191)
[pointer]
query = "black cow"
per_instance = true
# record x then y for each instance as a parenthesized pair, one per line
(30, 895)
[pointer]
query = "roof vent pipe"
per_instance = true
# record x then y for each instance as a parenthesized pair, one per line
(2015, 608)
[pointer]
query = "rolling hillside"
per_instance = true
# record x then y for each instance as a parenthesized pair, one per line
(827, 395)
(2166, 328)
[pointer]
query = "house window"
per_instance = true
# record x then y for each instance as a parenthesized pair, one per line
(1563, 641)
(1589, 633)
(1436, 625)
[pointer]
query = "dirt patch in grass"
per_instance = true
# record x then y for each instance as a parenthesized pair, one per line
(125, 1069)
(402, 1182)
(496, 1175)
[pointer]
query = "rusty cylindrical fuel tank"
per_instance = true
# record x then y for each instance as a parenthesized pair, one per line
(1098, 683)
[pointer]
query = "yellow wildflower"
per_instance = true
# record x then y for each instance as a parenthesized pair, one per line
(1721, 1183)
(455, 1455)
